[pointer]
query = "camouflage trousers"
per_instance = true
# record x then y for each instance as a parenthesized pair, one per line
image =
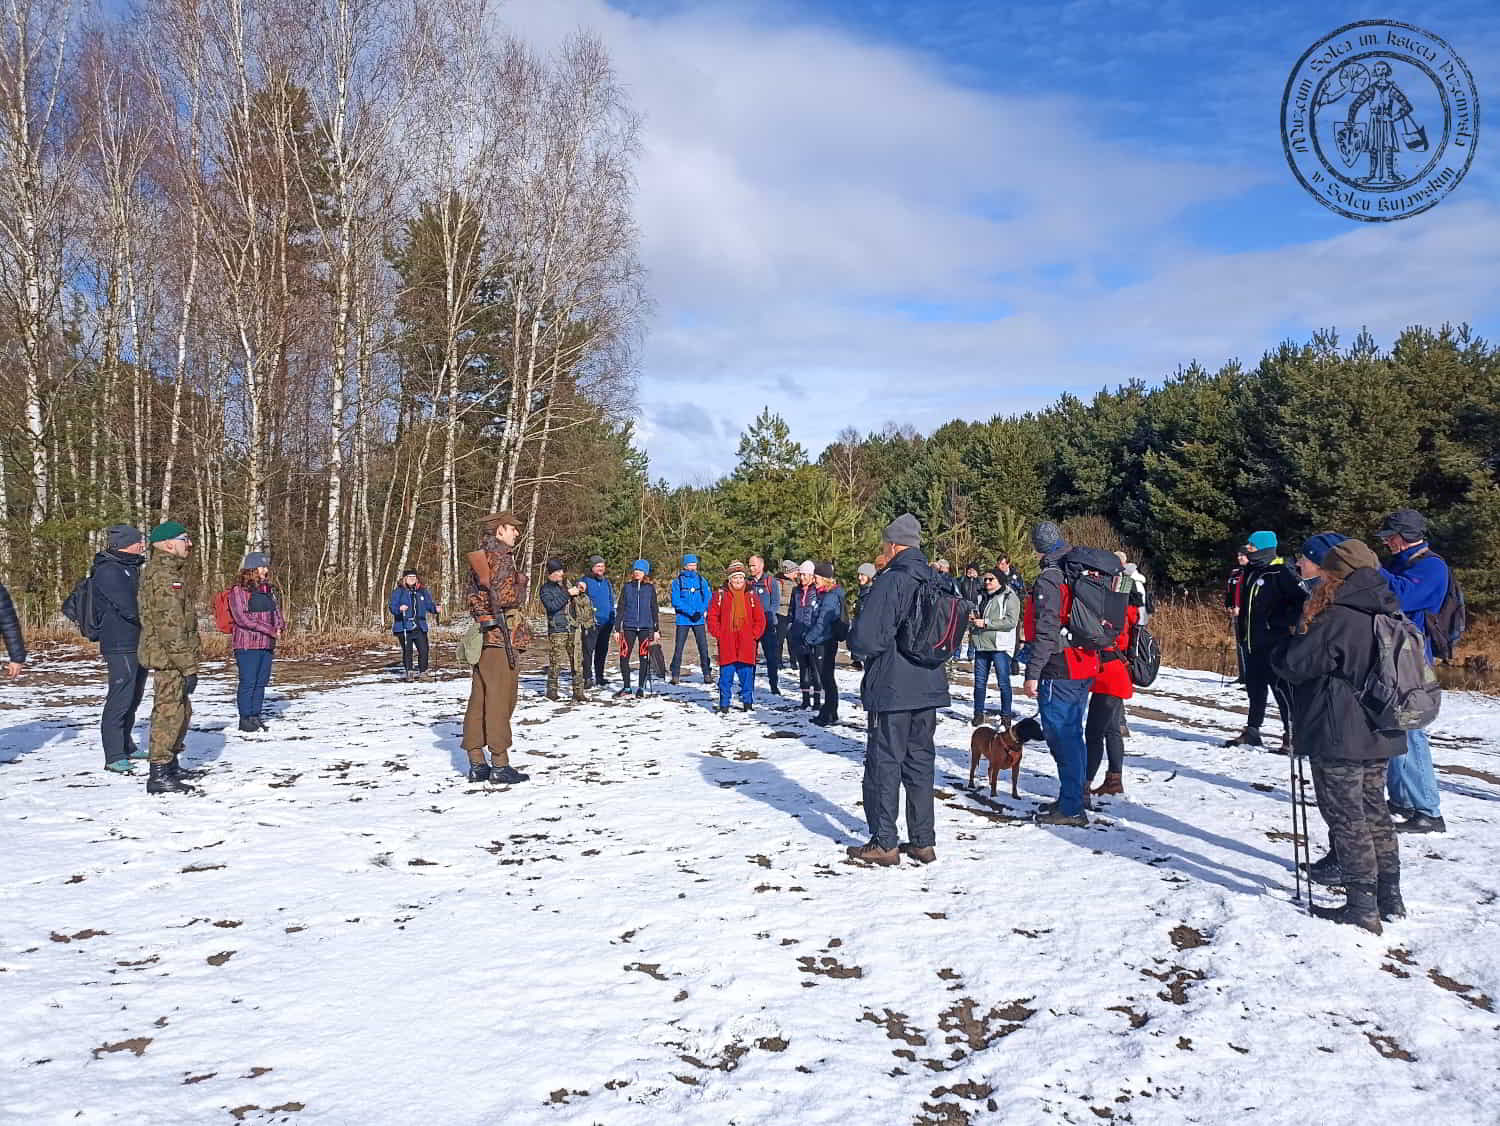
(171, 709)
(1351, 798)
(562, 651)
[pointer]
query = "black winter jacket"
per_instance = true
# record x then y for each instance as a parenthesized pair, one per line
(891, 682)
(117, 580)
(555, 600)
(1270, 606)
(10, 628)
(1323, 666)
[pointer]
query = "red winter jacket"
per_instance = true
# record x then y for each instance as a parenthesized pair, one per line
(736, 646)
(1114, 671)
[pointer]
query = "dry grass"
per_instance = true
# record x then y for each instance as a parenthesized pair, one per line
(1194, 633)
(64, 637)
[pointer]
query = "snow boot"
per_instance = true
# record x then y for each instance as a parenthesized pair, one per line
(506, 775)
(1327, 871)
(479, 772)
(1388, 897)
(872, 853)
(1113, 784)
(162, 779)
(1359, 909)
(922, 854)
(1250, 737)
(121, 766)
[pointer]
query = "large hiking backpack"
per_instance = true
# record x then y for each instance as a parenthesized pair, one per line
(1096, 613)
(79, 608)
(1447, 624)
(934, 629)
(1401, 692)
(1143, 657)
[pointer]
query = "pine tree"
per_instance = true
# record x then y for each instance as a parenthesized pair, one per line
(767, 450)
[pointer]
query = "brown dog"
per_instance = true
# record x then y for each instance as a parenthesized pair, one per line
(1004, 752)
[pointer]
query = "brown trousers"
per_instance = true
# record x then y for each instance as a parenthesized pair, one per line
(492, 699)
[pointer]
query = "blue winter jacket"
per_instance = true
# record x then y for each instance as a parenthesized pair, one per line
(1420, 582)
(691, 594)
(117, 577)
(767, 589)
(830, 610)
(892, 683)
(410, 607)
(602, 595)
(638, 606)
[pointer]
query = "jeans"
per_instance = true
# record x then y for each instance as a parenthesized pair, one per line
(255, 674)
(770, 647)
(127, 681)
(1063, 703)
(900, 754)
(700, 634)
(736, 671)
(983, 662)
(1411, 780)
(414, 651)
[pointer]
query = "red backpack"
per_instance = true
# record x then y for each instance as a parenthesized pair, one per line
(222, 617)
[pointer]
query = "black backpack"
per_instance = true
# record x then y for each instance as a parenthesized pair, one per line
(1143, 658)
(79, 607)
(934, 628)
(1446, 626)
(1097, 613)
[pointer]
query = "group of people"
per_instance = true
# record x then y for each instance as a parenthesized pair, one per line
(1302, 630)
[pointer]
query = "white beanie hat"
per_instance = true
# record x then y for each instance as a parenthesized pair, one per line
(807, 567)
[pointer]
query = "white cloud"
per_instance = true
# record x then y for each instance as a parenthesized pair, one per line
(798, 184)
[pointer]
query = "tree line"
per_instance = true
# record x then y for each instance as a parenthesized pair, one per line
(1315, 436)
(332, 278)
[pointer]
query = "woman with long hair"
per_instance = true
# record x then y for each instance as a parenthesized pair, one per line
(257, 626)
(1328, 661)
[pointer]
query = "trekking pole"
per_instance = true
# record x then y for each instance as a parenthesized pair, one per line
(1296, 869)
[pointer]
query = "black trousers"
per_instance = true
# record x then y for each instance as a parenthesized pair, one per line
(823, 656)
(414, 643)
(1259, 681)
(1101, 733)
(807, 672)
(127, 683)
(698, 632)
(770, 647)
(900, 755)
(633, 639)
(596, 651)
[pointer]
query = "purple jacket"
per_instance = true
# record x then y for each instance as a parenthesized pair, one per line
(257, 619)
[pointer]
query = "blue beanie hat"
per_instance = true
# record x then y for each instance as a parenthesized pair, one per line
(1318, 546)
(686, 559)
(1259, 541)
(642, 566)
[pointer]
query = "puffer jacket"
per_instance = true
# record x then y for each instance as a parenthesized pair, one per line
(10, 628)
(169, 624)
(1114, 670)
(1326, 663)
(555, 601)
(637, 606)
(803, 610)
(828, 624)
(117, 580)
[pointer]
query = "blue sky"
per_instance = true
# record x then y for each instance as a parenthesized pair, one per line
(861, 211)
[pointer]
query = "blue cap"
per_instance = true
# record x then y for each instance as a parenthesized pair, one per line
(642, 566)
(686, 559)
(1318, 546)
(1259, 541)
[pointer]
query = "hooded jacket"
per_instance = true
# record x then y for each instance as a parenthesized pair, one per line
(555, 599)
(892, 683)
(1002, 614)
(803, 610)
(1324, 664)
(691, 594)
(117, 581)
(1044, 616)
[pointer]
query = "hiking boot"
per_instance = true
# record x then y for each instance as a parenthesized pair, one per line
(1070, 820)
(579, 697)
(721, 709)
(507, 775)
(248, 724)
(806, 701)
(479, 772)
(872, 853)
(162, 779)
(922, 854)
(622, 693)
(1359, 909)
(1388, 897)
(674, 678)
(1326, 871)
(1400, 810)
(136, 754)
(640, 693)
(1113, 784)
(1421, 823)
(707, 677)
(552, 694)
(977, 721)
(1250, 737)
(745, 706)
(120, 766)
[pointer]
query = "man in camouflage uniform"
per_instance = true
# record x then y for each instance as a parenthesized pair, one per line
(585, 630)
(169, 647)
(494, 600)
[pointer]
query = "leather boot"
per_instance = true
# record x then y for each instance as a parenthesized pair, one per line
(1327, 871)
(1359, 909)
(479, 772)
(1113, 784)
(1388, 897)
(162, 779)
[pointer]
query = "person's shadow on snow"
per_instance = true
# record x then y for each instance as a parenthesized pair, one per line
(765, 782)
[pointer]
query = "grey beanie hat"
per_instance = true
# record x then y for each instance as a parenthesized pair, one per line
(787, 565)
(118, 536)
(595, 560)
(867, 569)
(1047, 537)
(903, 531)
(256, 559)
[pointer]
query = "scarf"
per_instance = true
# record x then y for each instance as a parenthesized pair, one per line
(739, 609)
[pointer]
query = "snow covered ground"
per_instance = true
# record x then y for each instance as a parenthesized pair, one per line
(661, 927)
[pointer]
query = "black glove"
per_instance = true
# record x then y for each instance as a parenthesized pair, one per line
(189, 683)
